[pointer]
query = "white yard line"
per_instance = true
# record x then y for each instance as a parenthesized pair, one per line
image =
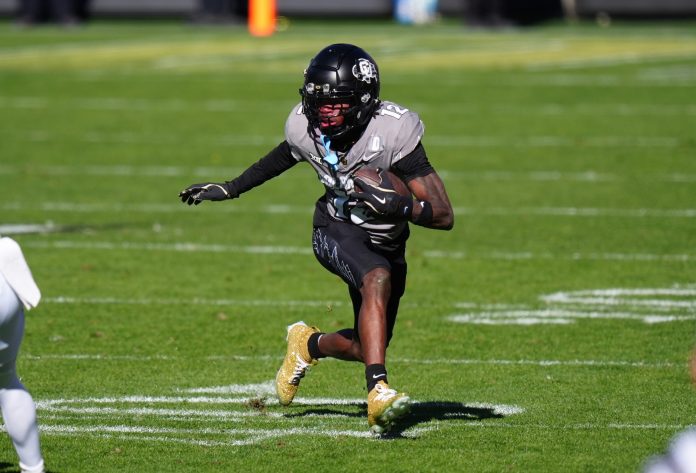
(544, 363)
(178, 207)
(682, 304)
(147, 171)
(193, 301)
(296, 250)
(227, 105)
(587, 426)
(498, 255)
(579, 212)
(175, 247)
(416, 361)
(676, 304)
(58, 415)
(659, 298)
(471, 141)
(119, 103)
(249, 436)
(119, 170)
(559, 317)
(103, 411)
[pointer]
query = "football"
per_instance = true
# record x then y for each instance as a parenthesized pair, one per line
(383, 179)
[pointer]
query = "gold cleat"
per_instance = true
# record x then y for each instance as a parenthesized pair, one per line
(384, 406)
(297, 361)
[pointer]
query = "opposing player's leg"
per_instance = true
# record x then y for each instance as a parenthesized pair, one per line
(17, 405)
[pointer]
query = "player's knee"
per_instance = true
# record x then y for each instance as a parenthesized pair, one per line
(356, 351)
(8, 376)
(378, 278)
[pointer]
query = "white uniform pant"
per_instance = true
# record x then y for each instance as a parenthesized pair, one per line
(17, 405)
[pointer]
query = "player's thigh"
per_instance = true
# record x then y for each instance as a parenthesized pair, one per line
(346, 250)
(11, 323)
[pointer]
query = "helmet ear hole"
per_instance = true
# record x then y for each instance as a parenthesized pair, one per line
(341, 73)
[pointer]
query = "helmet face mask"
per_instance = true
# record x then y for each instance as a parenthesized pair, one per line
(340, 74)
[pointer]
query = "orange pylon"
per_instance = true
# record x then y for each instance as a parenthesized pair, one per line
(262, 17)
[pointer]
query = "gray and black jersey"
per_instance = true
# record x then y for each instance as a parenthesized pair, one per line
(393, 134)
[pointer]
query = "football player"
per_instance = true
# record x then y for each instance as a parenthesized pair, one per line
(360, 227)
(17, 292)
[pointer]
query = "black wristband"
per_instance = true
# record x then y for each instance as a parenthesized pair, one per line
(425, 218)
(407, 207)
(231, 191)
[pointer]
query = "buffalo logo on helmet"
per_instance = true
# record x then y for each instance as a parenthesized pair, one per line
(365, 71)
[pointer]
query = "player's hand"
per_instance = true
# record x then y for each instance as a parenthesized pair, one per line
(197, 193)
(382, 201)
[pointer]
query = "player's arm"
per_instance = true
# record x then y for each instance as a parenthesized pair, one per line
(277, 161)
(432, 208)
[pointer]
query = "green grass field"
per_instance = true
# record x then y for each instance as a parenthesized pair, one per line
(550, 331)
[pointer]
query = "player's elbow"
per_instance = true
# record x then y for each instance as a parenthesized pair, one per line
(448, 221)
(445, 220)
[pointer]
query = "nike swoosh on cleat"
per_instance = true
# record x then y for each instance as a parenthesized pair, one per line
(382, 200)
(375, 376)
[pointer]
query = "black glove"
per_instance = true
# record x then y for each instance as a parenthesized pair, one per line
(197, 193)
(382, 201)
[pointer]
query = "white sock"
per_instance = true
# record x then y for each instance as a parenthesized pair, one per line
(34, 469)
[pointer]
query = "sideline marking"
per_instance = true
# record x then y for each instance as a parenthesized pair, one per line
(673, 302)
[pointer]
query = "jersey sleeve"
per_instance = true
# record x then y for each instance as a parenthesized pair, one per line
(295, 130)
(408, 135)
(414, 165)
(276, 162)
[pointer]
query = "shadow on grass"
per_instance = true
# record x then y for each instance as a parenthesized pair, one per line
(14, 468)
(421, 413)
(328, 412)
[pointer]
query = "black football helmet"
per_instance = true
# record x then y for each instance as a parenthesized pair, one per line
(341, 73)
